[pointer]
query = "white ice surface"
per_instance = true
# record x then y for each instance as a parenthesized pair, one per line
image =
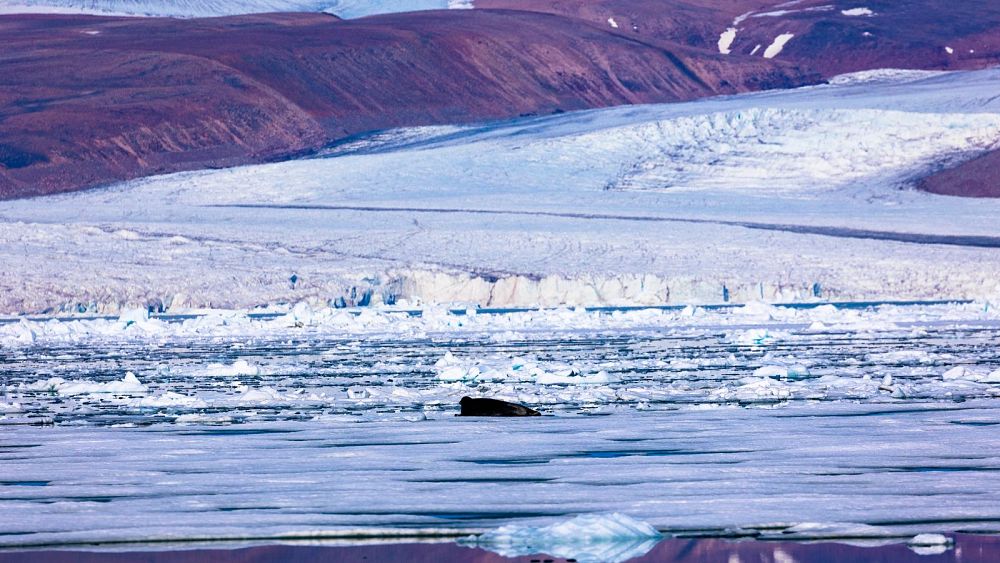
(704, 471)
(631, 205)
(588, 538)
(926, 540)
(710, 421)
(754, 355)
(209, 8)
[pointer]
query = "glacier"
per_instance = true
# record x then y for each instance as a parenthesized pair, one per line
(783, 196)
(737, 316)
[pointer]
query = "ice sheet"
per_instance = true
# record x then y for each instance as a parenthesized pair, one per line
(777, 196)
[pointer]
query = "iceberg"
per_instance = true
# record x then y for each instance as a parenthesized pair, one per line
(609, 537)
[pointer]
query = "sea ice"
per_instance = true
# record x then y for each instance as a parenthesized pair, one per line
(930, 544)
(236, 369)
(929, 540)
(129, 385)
(587, 538)
(785, 372)
(132, 316)
(820, 530)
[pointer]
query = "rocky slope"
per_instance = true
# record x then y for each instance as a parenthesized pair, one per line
(979, 177)
(90, 100)
(830, 36)
(85, 101)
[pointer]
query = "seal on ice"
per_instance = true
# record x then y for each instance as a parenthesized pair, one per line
(493, 407)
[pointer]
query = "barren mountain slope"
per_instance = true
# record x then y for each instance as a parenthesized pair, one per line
(831, 36)
(86, 101)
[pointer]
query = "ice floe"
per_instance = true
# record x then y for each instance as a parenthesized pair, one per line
(129, 385)
(236, 369)
(588, 538)
(515, 369)
(930, 544)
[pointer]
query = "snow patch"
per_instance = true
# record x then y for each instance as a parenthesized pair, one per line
(777, 45)
(884, 76)
(780, 13)
(726, 40)
(856, 12)
(741, 18)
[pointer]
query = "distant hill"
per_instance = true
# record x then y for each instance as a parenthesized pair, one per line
(86, 100)
(979, 177)
(90, 100)
(210, 8)
(831, 36)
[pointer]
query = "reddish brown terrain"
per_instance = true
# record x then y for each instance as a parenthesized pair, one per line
(85, 101)
(90, 100)
(911, 34)
(979, 177)
(697, 23)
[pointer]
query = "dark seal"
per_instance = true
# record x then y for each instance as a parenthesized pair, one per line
(494, 407)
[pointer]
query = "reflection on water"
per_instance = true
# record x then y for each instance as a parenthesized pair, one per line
(966, 549)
